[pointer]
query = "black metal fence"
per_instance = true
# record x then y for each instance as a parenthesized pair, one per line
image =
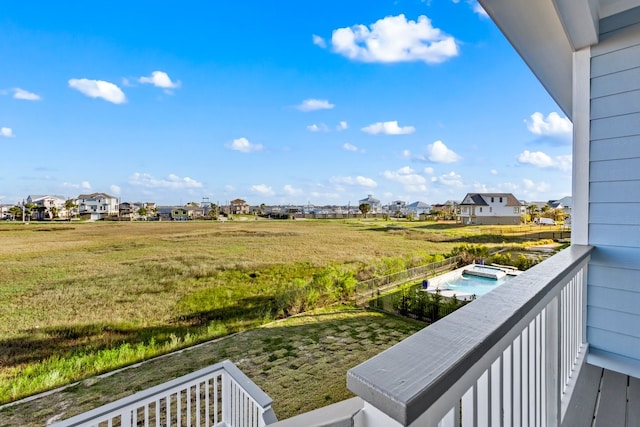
(373, 287)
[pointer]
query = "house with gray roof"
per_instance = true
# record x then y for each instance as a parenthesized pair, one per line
(491, 208)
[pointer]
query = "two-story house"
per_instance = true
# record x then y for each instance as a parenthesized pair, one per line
(47, 206)
(97, 205)
(238, 207)
(374, 204)
(490, 208)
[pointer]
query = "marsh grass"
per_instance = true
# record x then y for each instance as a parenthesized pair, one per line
(86, 298)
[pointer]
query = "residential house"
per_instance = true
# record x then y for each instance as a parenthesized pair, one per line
(46, 205)
(97, 205)
(374, 204)
(446, 210)
(173, 213)
(4, 211)
(490, 208)
(559, 344)
(418, 208)
(238, 207)
(564, 204)
(128, 211)
(397, 206)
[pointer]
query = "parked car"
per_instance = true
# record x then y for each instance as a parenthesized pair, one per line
(546, 221)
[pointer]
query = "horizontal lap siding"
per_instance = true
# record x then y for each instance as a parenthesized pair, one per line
(613, 298)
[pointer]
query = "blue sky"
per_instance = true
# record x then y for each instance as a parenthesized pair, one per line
(282, 102)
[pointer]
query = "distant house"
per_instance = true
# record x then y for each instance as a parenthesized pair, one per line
(374, 204)
(128, 210)
(46, 205)
(418, 208)
(491, 208)
(97, 205)
(446, 210)
(397, 206)
(172, 213)
(564, 204)
(238, 207)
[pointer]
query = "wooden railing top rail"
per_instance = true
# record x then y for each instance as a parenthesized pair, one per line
(409, 377)
(259, 396)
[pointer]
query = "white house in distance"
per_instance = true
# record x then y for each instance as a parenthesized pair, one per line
(374, 204)
(418, 208)
(97, 205)
(48, 203)
(491, 208)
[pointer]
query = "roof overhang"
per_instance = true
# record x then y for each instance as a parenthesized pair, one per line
(546, 33)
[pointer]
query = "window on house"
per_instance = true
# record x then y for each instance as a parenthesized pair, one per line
(500, 199)
(516, 210)
(492, 200)
(480, 209)
(490, 210)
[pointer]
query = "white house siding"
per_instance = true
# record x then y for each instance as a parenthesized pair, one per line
(613, 303)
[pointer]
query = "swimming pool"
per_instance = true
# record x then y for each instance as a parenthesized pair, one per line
(467, 286)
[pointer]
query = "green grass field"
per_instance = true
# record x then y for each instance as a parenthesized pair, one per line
(77, 299)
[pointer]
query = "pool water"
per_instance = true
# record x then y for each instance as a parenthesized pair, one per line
(469, 284)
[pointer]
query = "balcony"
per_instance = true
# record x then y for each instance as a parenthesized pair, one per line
(217, 396)
(513, 357)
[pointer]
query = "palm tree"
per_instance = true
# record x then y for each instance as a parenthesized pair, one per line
(364, 208)
(15, 211)
(70, 205)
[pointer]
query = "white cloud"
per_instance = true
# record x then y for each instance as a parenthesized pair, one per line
(350, 147)
(7, 132)
(86, 185)
(290, 190)
(535, 158)
(318, 128)
(262, 189)
(314, 104)
(25, 94)
(429, 170)
(493, 172)
(243, 145)
(394, 39)
(115, 189)
(406, 154)
(388, 128)
(318, 41)
(552, 125)
(342, 125)
(172, 181)
(99, 89)
(357, 180)
(440, 153)
(543, 160)
(408, 177)
(161, 79)
(450, 179)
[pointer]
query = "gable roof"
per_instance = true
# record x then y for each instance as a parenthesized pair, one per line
(418, 204)
(480, 199)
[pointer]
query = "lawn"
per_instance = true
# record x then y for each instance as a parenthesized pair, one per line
(300, 362)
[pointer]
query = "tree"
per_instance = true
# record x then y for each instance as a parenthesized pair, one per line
(29, 208)
(410, 216)
(143, 212)
(15, 211)
(214, 211)
(365, 208)
(54, 211)
(70, 205)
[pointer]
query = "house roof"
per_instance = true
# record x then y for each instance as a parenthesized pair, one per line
(96, 195)
(369, 199)
(418, 204)
(480, 199)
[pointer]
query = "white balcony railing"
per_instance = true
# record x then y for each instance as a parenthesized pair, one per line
(216, 396)
(508, 359)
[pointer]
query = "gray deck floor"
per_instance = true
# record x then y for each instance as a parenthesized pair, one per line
(604, 398)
